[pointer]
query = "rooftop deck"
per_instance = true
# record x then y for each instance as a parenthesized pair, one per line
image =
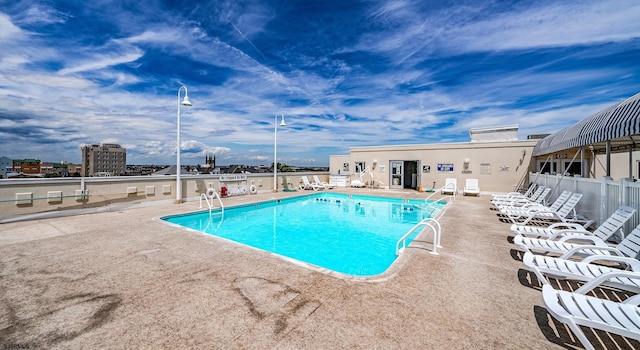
(124, 279)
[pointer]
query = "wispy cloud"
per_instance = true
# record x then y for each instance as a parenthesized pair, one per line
(8, 30)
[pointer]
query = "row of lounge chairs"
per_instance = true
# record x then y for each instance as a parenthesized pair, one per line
(522, 209)
(315, 185)
(565, 249)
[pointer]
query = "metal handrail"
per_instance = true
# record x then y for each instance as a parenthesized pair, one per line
(432, 202)
(210, 204)
(437, 233)
(440, 190)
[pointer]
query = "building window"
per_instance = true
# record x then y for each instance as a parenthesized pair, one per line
(574, 168)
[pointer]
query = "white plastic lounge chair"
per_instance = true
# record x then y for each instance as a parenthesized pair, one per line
(577, 309)
(544, 213)
(450, 186)
(540, 196)
(324, 184)
(614, 222)
(471, 187)
(583, 270)
(306, 185)
(532, 188)
(557, 204)
(577, 243)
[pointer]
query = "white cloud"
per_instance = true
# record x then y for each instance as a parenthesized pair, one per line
(8, 31)
(43, 14)
(101, 61)
(558, 24)
(409, 32)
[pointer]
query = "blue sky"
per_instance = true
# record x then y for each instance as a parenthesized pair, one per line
(344, 73)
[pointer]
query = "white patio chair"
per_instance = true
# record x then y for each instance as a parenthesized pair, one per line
(576, 309)
(450, 186)
(471, 187)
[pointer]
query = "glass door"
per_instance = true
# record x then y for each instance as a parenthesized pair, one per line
(396, 173)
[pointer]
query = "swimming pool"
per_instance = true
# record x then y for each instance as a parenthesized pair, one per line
(353, 235)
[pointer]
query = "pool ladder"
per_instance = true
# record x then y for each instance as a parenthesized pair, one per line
(431, 223)
(206, 198)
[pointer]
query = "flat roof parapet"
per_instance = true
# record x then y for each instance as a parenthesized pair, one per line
(494, 133)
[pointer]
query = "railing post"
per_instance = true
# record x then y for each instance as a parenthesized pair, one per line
(623, 192)
(625, 200)
(604, 205)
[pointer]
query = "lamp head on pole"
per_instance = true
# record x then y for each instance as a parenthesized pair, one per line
(282, 123)
(186, 102)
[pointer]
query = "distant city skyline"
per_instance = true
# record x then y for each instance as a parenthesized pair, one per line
(197, 162)
(344, 74)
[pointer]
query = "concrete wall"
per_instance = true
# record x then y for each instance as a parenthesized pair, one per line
(20, 197)
(498, 166)
(620, 167)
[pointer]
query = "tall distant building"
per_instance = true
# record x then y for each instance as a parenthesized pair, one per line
(106, 159)
(209, 165)
(6, 165)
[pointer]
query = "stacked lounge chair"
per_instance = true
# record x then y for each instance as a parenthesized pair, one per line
(564, 213)
(517, 199)
(555, 206)
(532, 188)
(538, 197)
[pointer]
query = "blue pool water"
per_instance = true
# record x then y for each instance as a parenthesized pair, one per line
(354, 235)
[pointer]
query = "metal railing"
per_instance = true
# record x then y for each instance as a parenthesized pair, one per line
(431, 223)
(210, 195)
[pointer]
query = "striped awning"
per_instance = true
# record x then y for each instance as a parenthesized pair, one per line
(619, 124)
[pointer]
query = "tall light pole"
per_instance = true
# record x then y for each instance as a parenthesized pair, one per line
(185, 102)
(275, 149)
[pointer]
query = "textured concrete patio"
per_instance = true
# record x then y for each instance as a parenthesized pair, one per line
(125, 279)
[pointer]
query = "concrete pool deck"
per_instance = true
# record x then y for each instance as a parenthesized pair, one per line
(125, 279)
